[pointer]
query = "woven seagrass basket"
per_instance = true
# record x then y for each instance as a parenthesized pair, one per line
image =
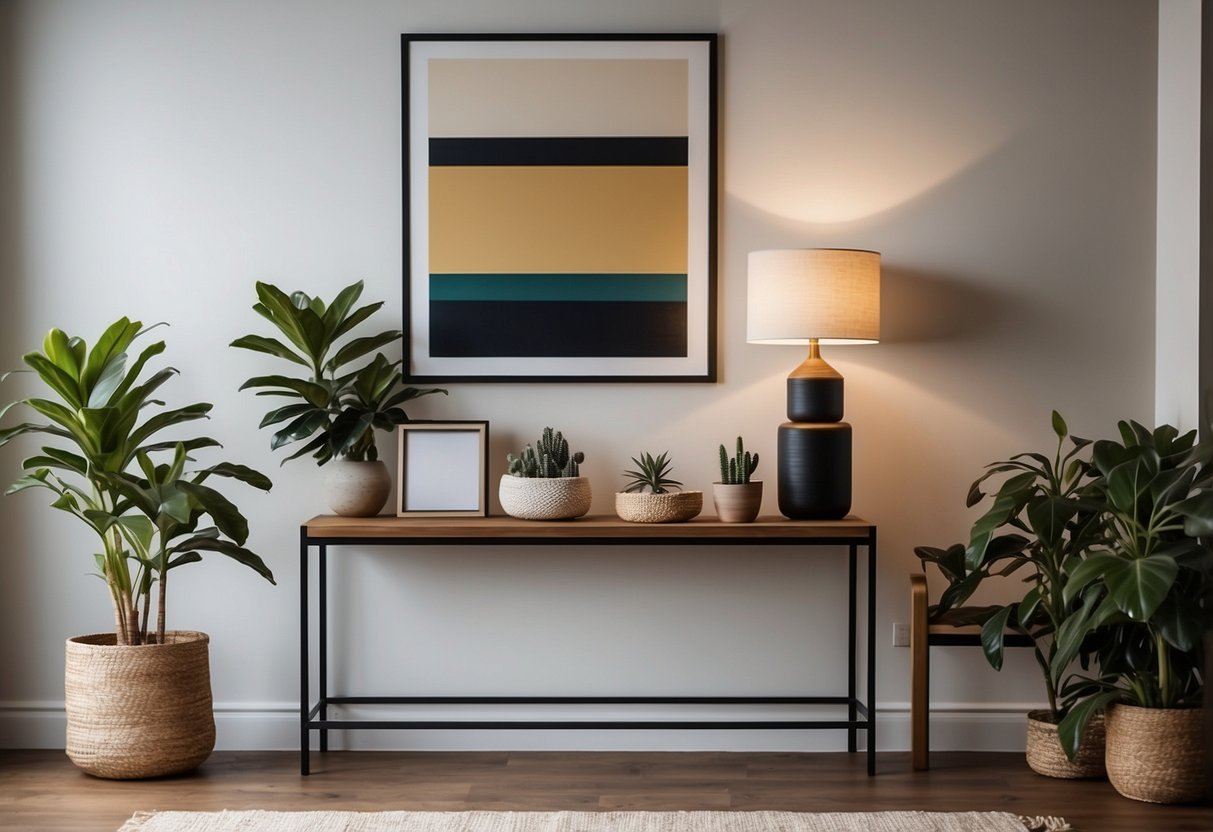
(1046, 757)
(142, 711)
(1157, 755)
(672, 507)
(544, 498)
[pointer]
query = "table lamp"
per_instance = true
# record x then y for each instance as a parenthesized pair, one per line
(814, 296)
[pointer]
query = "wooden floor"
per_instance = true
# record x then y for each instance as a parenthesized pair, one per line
(41, 790)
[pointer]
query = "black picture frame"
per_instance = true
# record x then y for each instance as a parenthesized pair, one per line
(503, 280)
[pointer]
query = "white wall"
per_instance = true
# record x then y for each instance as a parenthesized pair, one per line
(1000, 155)
(1177, 309)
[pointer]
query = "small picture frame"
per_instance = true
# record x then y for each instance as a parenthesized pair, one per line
(443, 469)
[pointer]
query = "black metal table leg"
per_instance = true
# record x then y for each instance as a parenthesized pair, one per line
(852, 715)
(303, 654)
(323, 660)
(872, 652)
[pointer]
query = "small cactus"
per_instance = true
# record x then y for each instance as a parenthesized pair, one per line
(738, 469)
(549, 458)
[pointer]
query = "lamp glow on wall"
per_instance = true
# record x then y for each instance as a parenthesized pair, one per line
(814, 296)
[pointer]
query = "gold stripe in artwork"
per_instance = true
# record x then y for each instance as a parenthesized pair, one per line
(611, 220)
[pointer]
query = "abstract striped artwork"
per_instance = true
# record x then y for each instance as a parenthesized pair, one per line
(558, 209)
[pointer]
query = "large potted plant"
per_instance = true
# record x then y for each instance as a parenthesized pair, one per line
(138, 699)
(339, 401)
(544, 481)
(1040, 524)
(1147, 596)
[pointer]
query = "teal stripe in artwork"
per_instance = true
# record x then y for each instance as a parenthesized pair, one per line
(559, 287)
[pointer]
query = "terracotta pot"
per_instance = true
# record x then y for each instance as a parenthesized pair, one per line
(672, 507)
(141, 711)
(1045, 755)
(737, 503)
(544, 498)
(356, 489)
(1157, 755)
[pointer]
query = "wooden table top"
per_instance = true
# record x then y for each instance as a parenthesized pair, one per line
(588, 528)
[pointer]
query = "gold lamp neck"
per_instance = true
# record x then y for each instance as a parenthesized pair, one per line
(814, 366)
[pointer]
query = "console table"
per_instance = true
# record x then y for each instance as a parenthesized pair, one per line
(321, 533)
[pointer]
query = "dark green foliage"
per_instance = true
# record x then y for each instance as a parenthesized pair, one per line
(549, 457)
(100, 467)
(738, 469)
(652, 473)
(338, 410)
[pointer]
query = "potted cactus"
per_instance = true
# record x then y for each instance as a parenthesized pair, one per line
(544, 482)
(653, 496)
(736, 496)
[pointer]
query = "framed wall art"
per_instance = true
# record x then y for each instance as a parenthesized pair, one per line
(559, 207)
(443, 469)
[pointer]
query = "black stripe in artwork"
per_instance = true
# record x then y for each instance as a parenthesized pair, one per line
(611, 150)
(550, 329)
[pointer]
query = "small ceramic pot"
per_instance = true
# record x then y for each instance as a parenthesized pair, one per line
(356, 489)
(737, 503)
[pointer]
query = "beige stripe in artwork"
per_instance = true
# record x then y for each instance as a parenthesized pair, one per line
(610, 219)
(557, 97)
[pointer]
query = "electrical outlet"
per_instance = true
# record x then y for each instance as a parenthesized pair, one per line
(901, 635)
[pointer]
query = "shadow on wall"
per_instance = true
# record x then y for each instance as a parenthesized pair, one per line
(18, 569)
(920, 306)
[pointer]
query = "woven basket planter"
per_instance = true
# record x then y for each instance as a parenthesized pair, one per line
(140, 711)
(1157, 755)
(1046, 757)
(673, 507)
(544, 498)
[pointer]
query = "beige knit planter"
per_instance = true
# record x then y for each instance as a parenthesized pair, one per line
(544, 498)
(140, 711)
(672, 507)
(1157, 755)
(1045, 755)
(737, 503)
(356, 489)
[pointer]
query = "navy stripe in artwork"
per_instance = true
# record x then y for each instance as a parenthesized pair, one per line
(594, 150)
(557, 329)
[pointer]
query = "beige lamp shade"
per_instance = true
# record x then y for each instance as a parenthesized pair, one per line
(830, 294)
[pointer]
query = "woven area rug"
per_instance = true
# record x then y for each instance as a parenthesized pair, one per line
(256, 821)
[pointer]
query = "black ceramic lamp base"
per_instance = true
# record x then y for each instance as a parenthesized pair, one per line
(814, 470)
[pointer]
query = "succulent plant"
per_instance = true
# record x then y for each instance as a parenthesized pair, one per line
(549, 458)
(651, 473)
(737, 470)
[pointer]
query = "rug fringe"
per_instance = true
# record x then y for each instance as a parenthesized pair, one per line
(1044, 823)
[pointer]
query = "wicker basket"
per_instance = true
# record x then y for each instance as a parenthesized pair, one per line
(140, 711)
(1157, 755)
(1046, 757)
(672, 507)
(544, 498)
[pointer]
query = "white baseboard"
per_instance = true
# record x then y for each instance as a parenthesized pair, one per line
(275, 726)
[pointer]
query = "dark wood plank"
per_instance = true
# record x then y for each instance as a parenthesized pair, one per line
(41, 790)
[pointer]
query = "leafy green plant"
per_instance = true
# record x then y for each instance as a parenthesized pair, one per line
(652, 473)
(549, 457)
(737, 470)
(1041, 521)
(102, 441)
(338, 408)
(1147, 594)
